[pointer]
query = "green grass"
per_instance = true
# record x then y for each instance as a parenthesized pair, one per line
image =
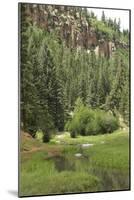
(97, 139)
(103, 166)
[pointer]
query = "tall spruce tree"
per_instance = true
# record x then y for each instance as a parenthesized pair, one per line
(103, 18)
(27, 86)
(119, 85)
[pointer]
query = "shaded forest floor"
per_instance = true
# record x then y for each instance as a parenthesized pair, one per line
(73, 165)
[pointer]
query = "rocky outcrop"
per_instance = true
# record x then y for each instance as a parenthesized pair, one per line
(72, 26)
(104, 49)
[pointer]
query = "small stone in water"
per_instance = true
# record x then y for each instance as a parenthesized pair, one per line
(78, 154)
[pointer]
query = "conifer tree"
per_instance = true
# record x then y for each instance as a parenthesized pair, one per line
(103, 18)
(27, 87)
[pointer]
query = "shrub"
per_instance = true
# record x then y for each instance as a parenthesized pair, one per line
(73, 134)
(109, 123)
(81, 118)
(86, 121)
(86, 116)
(39, 135)
(93, 128)
(66, 128)
(103, 122)
(73, 126)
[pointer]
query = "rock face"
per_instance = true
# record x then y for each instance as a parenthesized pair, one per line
(71, 25)
(105, 49)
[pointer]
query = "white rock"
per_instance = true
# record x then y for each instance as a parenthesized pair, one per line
(87, 145)
(60, 136)
(78, 154)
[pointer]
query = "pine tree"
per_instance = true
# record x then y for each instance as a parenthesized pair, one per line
(93, 79)
(119, 25)
(27, 87)
(115, 25)
(116, 97)
(103, 87)
(51, 88)
(103, 18)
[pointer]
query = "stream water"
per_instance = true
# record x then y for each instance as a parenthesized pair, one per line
(63, 164)
(111, 179)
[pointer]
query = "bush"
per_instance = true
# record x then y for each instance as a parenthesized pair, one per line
(93, 128)
(73, 134)
(73, 126)
(86, 116)
(81, 118)
(66, 128)
(109, 123)
(86, 121)
(39, 135)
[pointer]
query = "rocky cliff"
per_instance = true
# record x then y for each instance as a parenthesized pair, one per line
(74, 26)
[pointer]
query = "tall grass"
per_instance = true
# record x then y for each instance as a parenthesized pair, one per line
(102, 167)
(39, 176)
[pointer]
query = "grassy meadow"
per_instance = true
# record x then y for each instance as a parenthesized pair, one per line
(54, 168)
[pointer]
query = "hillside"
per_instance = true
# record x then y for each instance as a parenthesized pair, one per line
(67, 54)
(79, 28)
